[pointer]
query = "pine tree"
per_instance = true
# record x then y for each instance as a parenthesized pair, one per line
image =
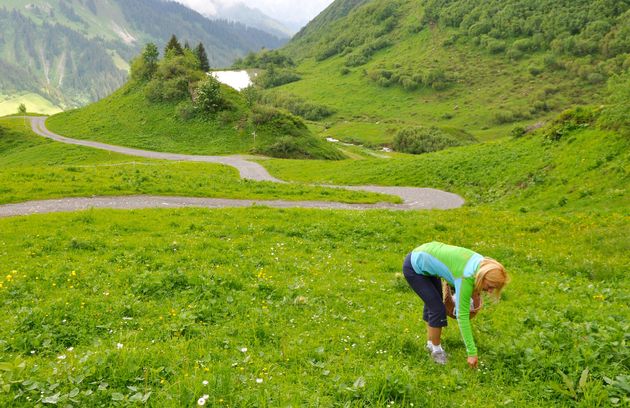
(173, 47)
(186, 45)
(200, 52)
(150, 55)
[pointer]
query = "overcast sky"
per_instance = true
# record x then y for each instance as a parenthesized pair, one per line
(282, 10)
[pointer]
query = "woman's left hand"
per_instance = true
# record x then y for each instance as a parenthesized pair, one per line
(472, 361)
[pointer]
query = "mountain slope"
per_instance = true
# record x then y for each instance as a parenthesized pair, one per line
(76, 51)
(172, 105)
(483, 67)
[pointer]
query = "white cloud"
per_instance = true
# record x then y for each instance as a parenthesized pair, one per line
(283, 10)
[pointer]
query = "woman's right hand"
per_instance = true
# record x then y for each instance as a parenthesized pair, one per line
(472, 361)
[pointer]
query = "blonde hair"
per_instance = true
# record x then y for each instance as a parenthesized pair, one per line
(493, 272)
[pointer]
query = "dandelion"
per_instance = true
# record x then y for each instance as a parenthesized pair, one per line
(201, 402)
(204, 382)
(9, 277)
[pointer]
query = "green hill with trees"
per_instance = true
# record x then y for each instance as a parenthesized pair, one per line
(484, 67)
(75, 52)
(171, 104)
(264, 307)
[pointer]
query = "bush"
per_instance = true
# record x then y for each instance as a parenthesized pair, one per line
(504, 116)
(423, 140)
(518, 132)
(208, 97)
(288, 124)
(276, 77)
(284, 147)
(570, 120)
(298, 106)
(185, 110)
(616, 115)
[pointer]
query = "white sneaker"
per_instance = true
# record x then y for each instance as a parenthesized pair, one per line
(439, 356)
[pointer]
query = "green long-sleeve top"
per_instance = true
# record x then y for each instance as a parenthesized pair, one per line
(458, 266)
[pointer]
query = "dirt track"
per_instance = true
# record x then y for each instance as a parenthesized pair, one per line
(413, 198)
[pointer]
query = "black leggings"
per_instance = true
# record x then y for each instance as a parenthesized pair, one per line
(429, 288)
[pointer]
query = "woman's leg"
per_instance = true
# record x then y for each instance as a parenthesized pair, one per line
(429, 288)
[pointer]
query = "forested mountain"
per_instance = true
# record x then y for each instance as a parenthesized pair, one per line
(76, 51)
(482, 66)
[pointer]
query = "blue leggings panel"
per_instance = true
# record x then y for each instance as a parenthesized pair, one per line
(429, 288)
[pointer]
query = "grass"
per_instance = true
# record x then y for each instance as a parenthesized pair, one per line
(33, 102)
(264, 307)
(586, 170)
(37, 168)
(303, 308)
(488, 95)
(127, 118)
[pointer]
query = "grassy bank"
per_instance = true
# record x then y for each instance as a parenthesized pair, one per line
(37, 168)
(586, 169)
(296, 307)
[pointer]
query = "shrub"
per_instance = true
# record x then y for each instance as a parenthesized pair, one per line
(423, 140)
(354, 60)
(284, 147)
(616, 115)
(514, 54)
(518, 132)
(276, 77)
(495, 46)
(570, 120)
(298, 106)
(153, 91)
(504, 116)
(208, 97)
(595, 78)
(185, 110)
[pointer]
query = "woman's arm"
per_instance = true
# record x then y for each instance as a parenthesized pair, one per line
(464, 294)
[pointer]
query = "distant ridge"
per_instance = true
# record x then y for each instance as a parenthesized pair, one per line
(73, 53)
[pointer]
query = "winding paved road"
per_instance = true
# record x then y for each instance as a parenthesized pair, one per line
(413, 198)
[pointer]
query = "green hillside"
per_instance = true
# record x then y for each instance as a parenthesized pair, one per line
(483, 67)
(73, 52)
(171, 105)
(262, 307)
(35, 168)
(587, 168)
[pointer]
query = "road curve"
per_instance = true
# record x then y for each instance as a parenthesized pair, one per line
(413, 198)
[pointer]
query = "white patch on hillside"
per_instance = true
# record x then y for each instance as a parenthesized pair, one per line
(238, 80)
(123, 34)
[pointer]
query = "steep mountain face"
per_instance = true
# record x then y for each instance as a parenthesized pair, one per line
(482, 66)
(332, 13)
(73, 52)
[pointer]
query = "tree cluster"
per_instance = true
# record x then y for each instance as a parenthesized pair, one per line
(571, 28)
(418, 140)
(179, 77)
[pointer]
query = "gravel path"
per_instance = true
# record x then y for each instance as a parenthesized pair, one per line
(413, 198)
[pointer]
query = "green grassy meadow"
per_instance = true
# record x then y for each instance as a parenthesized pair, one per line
(265, 307)
(37, 168)
(587, 170)
(261, 307)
